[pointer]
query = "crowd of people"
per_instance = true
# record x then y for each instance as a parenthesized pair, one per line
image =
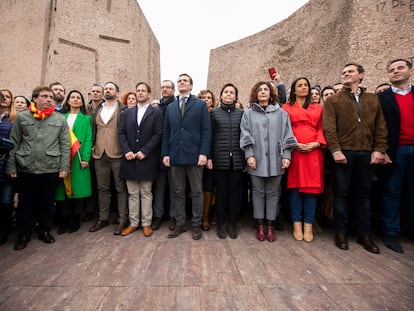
(150, 160)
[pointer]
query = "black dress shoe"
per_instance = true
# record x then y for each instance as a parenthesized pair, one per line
(99, 225)
(232, 231)
(121, 227)
(366, 241)
(173, 224)
(88, 216)
(341, 241)
(221, 233)
(391, 241)
(156, 223)
(21, 243)
(197, 233)
(176, 232)
(46, 237)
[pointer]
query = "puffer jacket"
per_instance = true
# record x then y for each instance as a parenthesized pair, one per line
(225, 147)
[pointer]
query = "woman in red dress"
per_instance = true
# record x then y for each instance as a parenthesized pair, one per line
(305, 174)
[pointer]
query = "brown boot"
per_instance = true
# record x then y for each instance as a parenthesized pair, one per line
(207, 204)
(297, 231)
(307, 232)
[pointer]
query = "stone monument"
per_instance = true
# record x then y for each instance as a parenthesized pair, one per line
(77, 43)
(316, 42)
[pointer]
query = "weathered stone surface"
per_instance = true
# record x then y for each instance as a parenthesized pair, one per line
(316, 41)
(77, 43)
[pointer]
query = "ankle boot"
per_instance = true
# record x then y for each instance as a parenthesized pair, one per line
(63, 225)
(260, 234)
(74, 224)
(297, 231)
(207, 204)
(307, 232)
(270, 235)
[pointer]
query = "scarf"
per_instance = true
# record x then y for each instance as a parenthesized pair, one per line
(41, 114)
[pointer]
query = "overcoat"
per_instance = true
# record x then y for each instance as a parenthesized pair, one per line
(185, 138)
(146, 138)
(81, 178)
(267, 135)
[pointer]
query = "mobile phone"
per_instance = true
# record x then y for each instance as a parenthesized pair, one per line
(272, 73)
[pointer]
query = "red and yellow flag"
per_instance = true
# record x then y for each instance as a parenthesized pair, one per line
(74, 148)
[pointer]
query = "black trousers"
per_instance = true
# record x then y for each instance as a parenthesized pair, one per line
(37, 193)
(228, 195)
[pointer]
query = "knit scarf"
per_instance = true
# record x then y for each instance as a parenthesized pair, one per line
(41, 114)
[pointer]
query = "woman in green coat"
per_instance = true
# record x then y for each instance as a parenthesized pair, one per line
(77, 185)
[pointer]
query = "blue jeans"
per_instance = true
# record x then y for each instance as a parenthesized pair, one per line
(302, 201)
(353, 181)
(402, 168)
(6, 192)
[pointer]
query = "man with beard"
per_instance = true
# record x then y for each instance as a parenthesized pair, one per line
(96, 98)
(59, 95)
(107, 155)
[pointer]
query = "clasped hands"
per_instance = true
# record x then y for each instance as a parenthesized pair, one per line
(132, 156)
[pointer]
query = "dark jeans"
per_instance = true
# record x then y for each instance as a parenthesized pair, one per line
(228, 195)
(37, 193)
(352, 185)
(402, 169)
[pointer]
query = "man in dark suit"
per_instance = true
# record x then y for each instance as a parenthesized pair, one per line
(397, 104)
(140, 134)
(185, 147)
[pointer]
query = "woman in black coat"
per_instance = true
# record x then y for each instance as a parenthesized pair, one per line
(227, 160)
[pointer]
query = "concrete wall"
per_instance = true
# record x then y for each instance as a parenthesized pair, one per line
(77, 43)
(316, 41)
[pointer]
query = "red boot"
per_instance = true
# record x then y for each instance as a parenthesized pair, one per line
(260, 234)
(270, 234)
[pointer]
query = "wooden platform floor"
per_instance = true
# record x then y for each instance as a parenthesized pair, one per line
(100, 271)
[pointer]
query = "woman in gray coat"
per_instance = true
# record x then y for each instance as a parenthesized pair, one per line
(267, 141)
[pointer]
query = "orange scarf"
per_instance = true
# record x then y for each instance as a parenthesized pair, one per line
(41, 114)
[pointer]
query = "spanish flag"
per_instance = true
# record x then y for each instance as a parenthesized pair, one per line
(74, 149)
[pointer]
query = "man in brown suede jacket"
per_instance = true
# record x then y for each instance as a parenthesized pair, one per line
(356, 132)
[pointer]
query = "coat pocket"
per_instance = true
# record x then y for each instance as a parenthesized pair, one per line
(53, 158)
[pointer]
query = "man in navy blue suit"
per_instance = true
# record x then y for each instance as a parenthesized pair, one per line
(397, 104)
(185, 147)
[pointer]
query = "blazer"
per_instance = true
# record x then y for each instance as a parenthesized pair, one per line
(391, 112)
(145, 138)
(185, 138)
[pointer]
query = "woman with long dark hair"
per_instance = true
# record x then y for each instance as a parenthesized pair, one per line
(78, 186)
(305, 174)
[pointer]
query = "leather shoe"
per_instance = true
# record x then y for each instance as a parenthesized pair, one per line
(197, 233)
(341, 241)
(128, 230)
(173, 224)
(121, 227)
(21, 243)
(233, 231)
(99, 225)
(88, 216)
(221, 233)
(147, 230)
(156, 223)
(46, 237)
(176, 232)
(366, 241)
(391, 241)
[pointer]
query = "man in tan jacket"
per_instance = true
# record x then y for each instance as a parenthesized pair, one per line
(107, 156)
